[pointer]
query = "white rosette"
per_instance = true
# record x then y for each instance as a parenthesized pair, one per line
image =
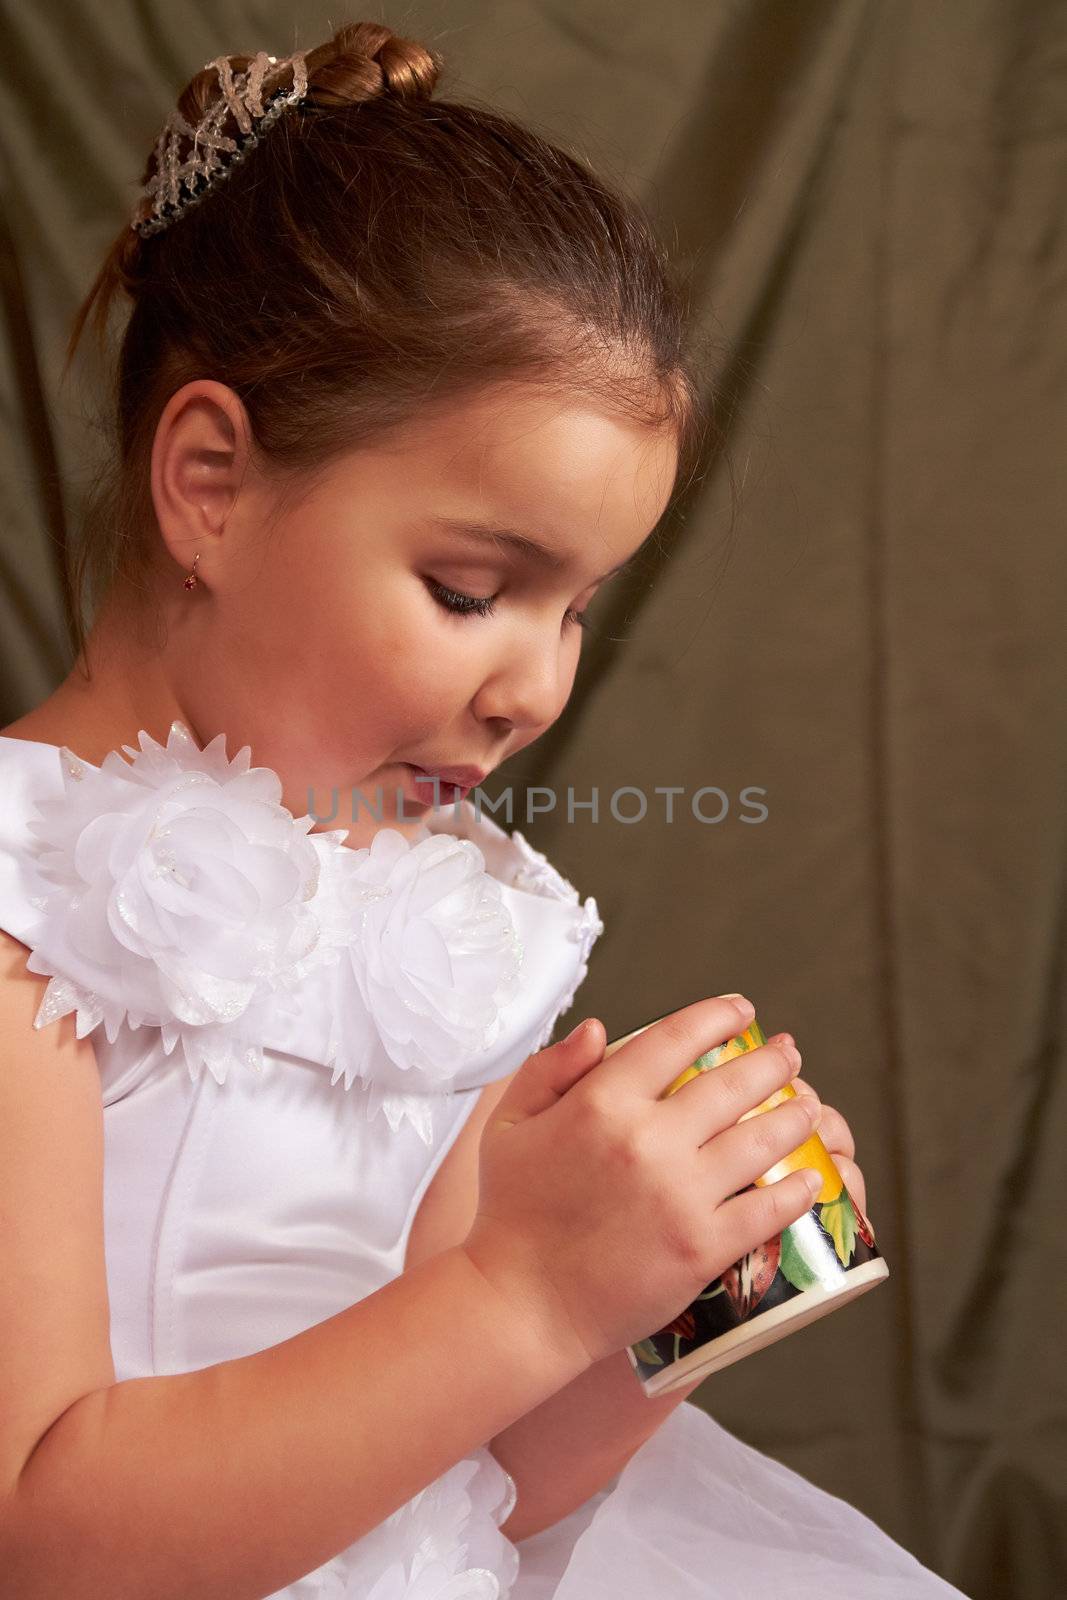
(424, 985)
(442, 1544)
(536, 874)
(178, 896)
(585, 932)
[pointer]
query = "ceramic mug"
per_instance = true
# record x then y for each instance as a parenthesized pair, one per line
(818, 1263)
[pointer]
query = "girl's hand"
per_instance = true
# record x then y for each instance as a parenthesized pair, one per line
(835, 1134)
(604, 1207)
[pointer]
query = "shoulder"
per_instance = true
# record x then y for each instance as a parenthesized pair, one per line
(31, 783)
(51, 1197)
(30, 1057)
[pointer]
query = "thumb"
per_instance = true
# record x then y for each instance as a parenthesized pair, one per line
(544, 1078)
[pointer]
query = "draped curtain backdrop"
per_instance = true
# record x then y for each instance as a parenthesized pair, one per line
(858, 611)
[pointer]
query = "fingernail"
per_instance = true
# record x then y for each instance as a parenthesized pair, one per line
(813, 1107)
(813, 1180)
(792, 1055)
(744, 1008)
(575, 1031)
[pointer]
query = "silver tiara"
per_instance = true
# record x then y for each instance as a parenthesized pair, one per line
(180, 182)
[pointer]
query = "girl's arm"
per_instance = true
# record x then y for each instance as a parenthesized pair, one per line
(231, 1481)
(578, 1439)
(575, 1442)
(572, 1443)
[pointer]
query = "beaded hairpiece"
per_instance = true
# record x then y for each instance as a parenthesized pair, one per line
(178, 182)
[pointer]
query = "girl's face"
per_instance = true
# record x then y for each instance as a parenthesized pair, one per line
(344, 645)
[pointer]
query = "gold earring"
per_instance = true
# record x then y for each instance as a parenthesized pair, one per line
(191, 580)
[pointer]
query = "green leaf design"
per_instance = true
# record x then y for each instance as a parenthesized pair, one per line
(646, 1351)
(793, 1264)
(839, 1219)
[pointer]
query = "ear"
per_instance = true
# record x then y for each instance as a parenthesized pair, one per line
(200, 455)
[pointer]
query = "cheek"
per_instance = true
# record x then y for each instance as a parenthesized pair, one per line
(377, 658)
(401, 674)
(568, 671)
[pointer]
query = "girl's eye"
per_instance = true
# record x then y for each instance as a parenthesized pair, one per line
(482, 606)
(464, 604)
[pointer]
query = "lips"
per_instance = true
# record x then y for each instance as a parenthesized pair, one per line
(462, 777)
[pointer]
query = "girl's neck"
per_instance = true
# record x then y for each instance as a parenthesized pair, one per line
(116, 688)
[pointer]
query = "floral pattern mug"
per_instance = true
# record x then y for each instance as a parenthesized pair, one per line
(823, 1260)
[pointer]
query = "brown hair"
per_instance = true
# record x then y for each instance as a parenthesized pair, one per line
(378, 250)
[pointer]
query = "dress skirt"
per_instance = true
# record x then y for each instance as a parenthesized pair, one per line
(696, 1514)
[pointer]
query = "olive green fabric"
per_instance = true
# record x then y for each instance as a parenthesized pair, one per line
(860, 616)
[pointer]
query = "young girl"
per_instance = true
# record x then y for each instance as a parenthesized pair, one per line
(319, 1265)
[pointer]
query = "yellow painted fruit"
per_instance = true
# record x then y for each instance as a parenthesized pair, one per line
(833, 1183)
(813, 1153)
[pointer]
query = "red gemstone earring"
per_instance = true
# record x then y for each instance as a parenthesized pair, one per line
(191, 580)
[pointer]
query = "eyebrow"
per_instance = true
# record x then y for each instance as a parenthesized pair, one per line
(529, 549)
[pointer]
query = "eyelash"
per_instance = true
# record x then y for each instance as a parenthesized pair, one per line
(469, 604)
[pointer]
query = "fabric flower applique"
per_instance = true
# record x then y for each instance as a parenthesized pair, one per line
(585, 932)
(178, 895)
(443, 1544)
(179, 892)
(435, 963)
(434, 1582)
(537, 875)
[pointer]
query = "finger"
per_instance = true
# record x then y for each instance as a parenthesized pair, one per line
(651, 1057)
(755, 1216)
(721, 1096)
(801, 1085)
(853, 1179)
(835, 1132)
(544, 1078)
(739, 1155)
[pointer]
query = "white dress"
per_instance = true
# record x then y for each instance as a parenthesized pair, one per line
(290, 1034)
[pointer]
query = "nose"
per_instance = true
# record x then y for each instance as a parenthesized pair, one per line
(529, 688)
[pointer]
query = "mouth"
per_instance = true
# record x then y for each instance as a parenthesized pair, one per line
(445, 783)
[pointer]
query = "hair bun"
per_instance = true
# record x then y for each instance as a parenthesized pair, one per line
(366, 59)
